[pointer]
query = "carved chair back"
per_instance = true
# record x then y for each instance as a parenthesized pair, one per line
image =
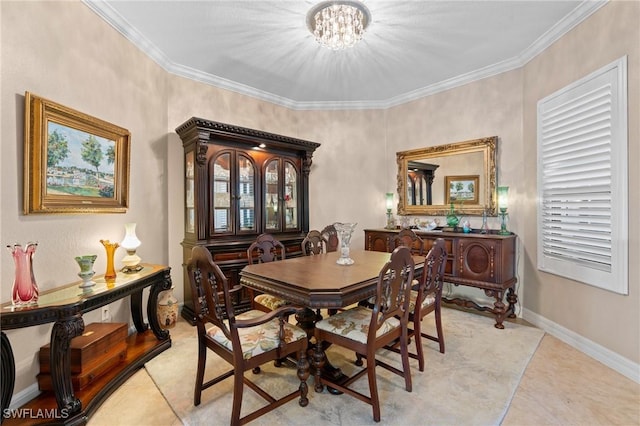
(212, 297)
(406, 237)
(265, 249)
(331, 236)
(434, 267)
(314, 243)
(393, 289)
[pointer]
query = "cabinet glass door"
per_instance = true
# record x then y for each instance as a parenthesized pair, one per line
(271, 195)
(291, 200)
(221, 198)
(246, 193)
(190, 211)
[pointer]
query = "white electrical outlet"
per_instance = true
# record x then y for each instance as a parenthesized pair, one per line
(106, 315)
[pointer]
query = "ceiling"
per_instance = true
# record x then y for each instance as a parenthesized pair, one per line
(411, 48)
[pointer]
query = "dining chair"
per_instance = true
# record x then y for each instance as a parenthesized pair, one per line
(366, 330)
(407, 237)
(331, 235)
(266, 249)
(425, 300)
(314, 243)
(245, 341)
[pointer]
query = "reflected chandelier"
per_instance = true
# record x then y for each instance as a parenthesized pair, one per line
(338, 24)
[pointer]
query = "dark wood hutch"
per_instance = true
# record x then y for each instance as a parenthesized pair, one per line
(239, 183)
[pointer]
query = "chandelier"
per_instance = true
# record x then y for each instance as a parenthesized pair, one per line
(338, 24)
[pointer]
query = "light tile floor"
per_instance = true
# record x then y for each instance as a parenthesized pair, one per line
(561, 386)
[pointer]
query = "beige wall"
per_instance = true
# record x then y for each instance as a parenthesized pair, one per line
(90, 67)
(63, 52)
(609, 319)
(489, 107)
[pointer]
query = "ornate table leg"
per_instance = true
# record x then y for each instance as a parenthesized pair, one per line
(318, 364)
(136, 311)
(61, 335)
(152, 306)
(306, 320)
(8, 369)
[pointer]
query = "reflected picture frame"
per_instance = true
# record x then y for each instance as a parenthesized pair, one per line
(73, 162)
(461, 189)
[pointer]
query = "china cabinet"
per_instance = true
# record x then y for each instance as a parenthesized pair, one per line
(239, 183)
(482, 261)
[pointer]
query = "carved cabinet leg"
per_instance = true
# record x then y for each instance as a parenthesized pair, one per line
(61, 335)
(499, 310)
(512, 298)
(8, 373)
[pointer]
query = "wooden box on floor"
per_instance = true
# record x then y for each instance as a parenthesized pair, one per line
(101, 347)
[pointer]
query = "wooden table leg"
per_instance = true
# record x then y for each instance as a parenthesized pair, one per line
(135, 301)
(306, 320)
(152, 306)
(319, 358)
(61, 335)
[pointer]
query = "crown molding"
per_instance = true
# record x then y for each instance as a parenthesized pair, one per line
(579, 14)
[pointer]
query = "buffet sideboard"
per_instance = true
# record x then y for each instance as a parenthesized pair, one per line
(483, 261)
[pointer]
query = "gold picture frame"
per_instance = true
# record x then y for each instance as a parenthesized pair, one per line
(461, 189)
(73, 162)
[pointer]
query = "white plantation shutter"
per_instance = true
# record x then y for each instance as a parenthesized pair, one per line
(582, 180)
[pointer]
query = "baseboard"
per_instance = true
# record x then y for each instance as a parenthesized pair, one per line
(609, 358)
(24, 396)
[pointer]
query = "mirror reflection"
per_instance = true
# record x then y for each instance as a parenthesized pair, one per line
(464, 173)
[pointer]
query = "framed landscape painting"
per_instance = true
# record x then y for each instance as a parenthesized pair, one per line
(73, 162)
(461, 189)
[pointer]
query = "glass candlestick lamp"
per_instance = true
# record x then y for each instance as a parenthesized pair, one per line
(389, 203)
(131, 243)
(503, 199)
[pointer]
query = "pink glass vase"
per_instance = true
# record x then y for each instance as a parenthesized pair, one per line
(25, 289)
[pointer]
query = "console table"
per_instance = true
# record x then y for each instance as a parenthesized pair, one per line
(484, 261)
(64, 306)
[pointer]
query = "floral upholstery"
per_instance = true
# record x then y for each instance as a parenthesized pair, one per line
(429, 299)
(354, 324)
(271, 302)
(259, 339)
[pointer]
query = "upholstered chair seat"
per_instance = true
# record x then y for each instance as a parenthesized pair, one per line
(259, 339)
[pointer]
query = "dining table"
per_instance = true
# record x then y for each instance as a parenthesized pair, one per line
(318, 282)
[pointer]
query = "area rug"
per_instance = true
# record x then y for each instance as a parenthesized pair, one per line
(471, 384)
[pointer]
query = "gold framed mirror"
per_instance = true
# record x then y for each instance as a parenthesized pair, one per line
(462, 173)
